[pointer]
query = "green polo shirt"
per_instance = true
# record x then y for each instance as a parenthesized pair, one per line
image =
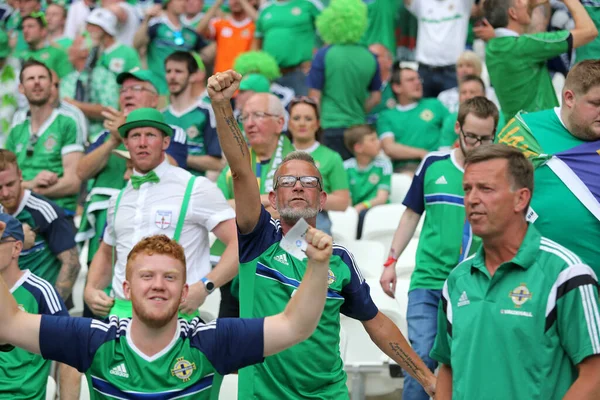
(520, 333)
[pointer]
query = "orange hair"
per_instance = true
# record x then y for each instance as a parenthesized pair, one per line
(157, 244)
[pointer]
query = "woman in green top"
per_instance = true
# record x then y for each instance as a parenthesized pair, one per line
(304, 130)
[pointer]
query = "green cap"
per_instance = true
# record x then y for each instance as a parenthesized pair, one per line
(143, 75)
(4, 47)
(255, 82)
(145, 117)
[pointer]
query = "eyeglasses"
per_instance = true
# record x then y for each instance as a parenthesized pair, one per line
(136, 89)
(257, 115)
(289, 181)
(178, 38)
(33, 139)
(472, 139)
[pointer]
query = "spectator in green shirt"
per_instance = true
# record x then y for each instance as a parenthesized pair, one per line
(304, 129)
(36, 36)
(56, 16)
(370, 176)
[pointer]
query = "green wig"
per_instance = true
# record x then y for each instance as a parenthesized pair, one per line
(343, 22)
(257, 62)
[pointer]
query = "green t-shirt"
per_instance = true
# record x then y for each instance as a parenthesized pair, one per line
(43, 151)
(287, 29)
(382, 24)
(166, 39)
(198, 122)
(449, 137)
(366, 182)
(417, 125)
(103, 90)
(446, 237)
(54, 58)
(554, 205)
(119, 57)
(590, 51)
(63, 43)
(23, 374)
(540, 308)
(331, 167)
(518, 71)
(190, 367)
(388, 100)
(269, 277)
(345, 74)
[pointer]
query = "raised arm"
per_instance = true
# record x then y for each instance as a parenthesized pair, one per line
(585, 31)
(221, 88)
(303, 312)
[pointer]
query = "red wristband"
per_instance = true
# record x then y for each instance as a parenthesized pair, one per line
(390, 261)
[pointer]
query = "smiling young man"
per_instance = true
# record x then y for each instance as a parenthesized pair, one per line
(154, 353)
(269, 275)
(161, 198)
(520, 294)
(437, 192)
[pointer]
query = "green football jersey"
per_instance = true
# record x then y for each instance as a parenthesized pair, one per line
(446, 237)
(388, 100)
(544, 133)
(345, 75)
(53, 235)
(366, 182)
(269, 276)
(119, 57)
(382, 24)
(198, 122)
(63, 43)
(517, 64)
(190, 367)
(539, 309)
(24, 375)
(44, 150)
(54, 58)
(287, 29)
(166, 39)
(331, 167)
(416, 125)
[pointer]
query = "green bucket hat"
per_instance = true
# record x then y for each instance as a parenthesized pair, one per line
(255, 82)
(4, 46)
(145, 117)
(143, 75)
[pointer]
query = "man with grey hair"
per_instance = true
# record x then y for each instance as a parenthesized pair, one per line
(269, 275)
(517, 62)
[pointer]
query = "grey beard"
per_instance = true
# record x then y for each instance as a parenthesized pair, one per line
(291, 215)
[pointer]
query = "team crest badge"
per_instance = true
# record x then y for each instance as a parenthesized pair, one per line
(45, 56)
(520, 295)
(116, 65)
(227, 32)
(373, 179)
(426, 115)
(390, 103)
(183, 369)
(162, 219)
(330, 277)
(19, 148)
(192, 132)
(169, 34)
(50, 143)
(296, 11)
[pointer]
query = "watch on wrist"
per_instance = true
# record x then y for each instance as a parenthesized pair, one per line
(208, 284)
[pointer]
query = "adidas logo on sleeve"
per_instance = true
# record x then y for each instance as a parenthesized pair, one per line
(463, 300)
(441, 180)
(120, 370)
(282, 258)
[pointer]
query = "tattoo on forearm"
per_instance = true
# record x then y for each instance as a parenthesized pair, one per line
(68, 273)
(236, 133)
(408, 362)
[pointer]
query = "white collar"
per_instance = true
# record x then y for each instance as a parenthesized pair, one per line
(20, 281)
(504, 32)
(407, 107)
(160, 170)
(26, 194)
(46, 123)
(557, 112)
(112, 47)
(157, 355)
(312, 148)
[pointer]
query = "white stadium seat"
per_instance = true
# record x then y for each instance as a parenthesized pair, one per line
(369, 256)
(84, 392)
(229, 387)
(400, 185)
(406, 261)
(381, 223)
(209, 311)
(343, 225)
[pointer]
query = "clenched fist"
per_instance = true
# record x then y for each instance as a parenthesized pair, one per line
(320, 246)
(223, 85)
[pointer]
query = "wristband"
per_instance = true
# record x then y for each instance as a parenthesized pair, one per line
(367, 204)
(390, 261)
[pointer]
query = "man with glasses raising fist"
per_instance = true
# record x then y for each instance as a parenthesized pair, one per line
(437, 189)
(269, 275)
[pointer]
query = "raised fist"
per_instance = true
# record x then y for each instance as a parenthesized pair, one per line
(223, 85)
